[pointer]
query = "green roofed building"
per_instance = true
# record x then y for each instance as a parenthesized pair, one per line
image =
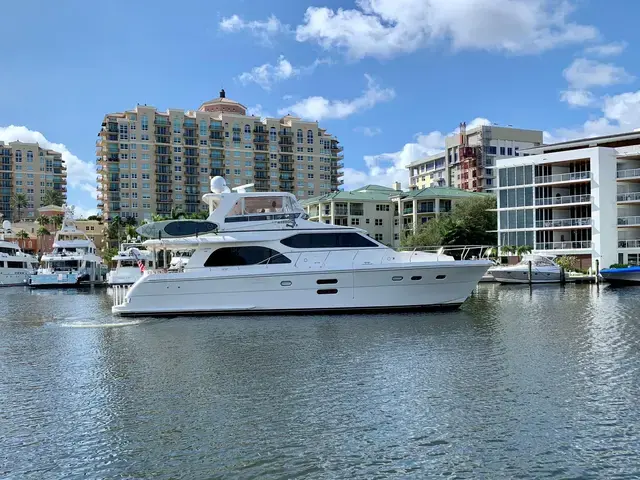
(385, 213)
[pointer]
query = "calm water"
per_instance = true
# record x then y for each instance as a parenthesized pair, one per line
(517, 384)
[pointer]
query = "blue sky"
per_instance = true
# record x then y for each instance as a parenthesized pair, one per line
(390, 78)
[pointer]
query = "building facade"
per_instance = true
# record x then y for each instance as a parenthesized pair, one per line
(28, 169)
(472, 154)
(151, 162)
(387, 214)
(579, 198)
(428, 172)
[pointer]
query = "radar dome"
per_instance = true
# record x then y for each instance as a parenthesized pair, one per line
(219, 185)
(6, 225)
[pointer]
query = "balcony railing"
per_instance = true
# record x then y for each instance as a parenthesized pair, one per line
(341, 211)
(564, 177)
(629, 173)
(564, 222)
(628, 197)
(628, 243)
(581, 245)
(564, 200)
(633, 220)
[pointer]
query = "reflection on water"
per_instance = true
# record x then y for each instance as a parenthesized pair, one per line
(520, 382)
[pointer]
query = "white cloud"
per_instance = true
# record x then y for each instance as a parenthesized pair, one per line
(320, 108)
(584, 73)
(386, 168)
(257, 111)
(384, 28)
(368, 131)
(287, 97)
(266, 75)
(80, 212)
(607, 49)
(265, 29)
(578, 98)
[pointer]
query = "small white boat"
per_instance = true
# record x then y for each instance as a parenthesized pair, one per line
(130, 263)
(74, 261)
(15, 266)
(543, 270)
(264, 255)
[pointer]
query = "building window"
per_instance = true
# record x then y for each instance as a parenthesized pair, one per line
(299, 136)
(310, 137)
(378, 222)
(509, 151)
(355, 221)
(502, 151)
(378, 237)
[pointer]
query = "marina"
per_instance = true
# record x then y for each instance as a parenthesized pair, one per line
(520, 382)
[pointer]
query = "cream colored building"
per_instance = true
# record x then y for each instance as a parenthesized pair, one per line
(150, 162)
(387, 214)
(31, 170)
(428, 172)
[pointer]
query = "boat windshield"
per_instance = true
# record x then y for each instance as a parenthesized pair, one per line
(537, 261)
(8, 251)
(262, 204)
(63, 265)
(128, 263)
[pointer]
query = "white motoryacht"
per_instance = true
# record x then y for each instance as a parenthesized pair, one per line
(15, 266)
(73, 262)
(258, 253)
(129, 264)
(543, 270)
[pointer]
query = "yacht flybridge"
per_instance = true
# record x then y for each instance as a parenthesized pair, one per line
(258, 253)
(15, 265)
(130, 262)
(73, 261)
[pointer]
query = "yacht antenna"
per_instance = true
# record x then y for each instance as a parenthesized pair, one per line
(242, 188)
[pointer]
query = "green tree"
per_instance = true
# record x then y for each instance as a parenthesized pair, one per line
(470, 223)
(41, 233)
(22, 235)
(507, 250)
(19, 201)
(53, 197)
(98, 218)
(56, 221)
(522, 250)
(43, 220)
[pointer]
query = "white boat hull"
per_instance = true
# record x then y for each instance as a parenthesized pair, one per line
(275, 288)
(123, 276)
(522, 276)
(10, 277)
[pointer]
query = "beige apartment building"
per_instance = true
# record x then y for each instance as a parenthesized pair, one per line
(151, 162)
(31, 170)
(387, 214)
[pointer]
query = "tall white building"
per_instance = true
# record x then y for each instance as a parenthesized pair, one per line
(579, 198)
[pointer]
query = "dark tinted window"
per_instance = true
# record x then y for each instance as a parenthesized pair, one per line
(15, 264)
(235, 256)
(327, 240)
(183, 228)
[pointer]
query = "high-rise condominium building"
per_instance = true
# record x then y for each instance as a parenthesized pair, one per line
(28, 169)
(154, 162)
(469, 159)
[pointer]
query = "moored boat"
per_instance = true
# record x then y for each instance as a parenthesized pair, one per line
(15, 266)
(543, 270)
(264, 255)
(129, 264)
(622, 276)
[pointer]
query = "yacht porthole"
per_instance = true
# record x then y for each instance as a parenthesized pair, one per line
(441, 277)
(328, 291)
(417, 277)
(325, 281)
(285, 283)
(396, 279)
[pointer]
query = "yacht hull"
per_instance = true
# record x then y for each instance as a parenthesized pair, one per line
(59, 280)
(14, 277)
(123, 277)
(270, 289)
(621, 276)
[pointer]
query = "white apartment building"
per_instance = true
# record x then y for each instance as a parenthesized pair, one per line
(427, 172)
(152, 162)
(387, 214)
(579, 198)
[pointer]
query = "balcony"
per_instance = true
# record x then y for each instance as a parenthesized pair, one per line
(628, 243)
(563, 200)
(579, 245)
(629, 197)
(628, 221)
(564, 222)
(632, 173)
(340, 211)
(564, 177)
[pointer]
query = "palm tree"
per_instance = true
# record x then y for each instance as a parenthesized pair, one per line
(53, 197)
(43, 220)
(19, 202)
(56, 220)
(507, 249)
(522, 250)
(41, 233)
(22, 235)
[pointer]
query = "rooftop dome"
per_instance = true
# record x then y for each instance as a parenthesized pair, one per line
(223, 104)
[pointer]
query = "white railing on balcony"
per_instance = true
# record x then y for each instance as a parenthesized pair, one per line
(563, 200)
(634, 220)
(564, 245)
(628, 243)
(628, 197)
(564, 177)
(629, 173)
(564, 222)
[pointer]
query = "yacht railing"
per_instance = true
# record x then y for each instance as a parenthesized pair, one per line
(119, 294)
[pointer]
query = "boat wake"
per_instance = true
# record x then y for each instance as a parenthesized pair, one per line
(85, 324)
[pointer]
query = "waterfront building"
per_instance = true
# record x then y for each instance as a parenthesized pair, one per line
(579, 198)
(387, 214)
(27, 168)
(427, 172)
(152, 162)
(94, 229)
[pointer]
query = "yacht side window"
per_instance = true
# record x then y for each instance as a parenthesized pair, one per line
(238, 256)
(328, 240)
